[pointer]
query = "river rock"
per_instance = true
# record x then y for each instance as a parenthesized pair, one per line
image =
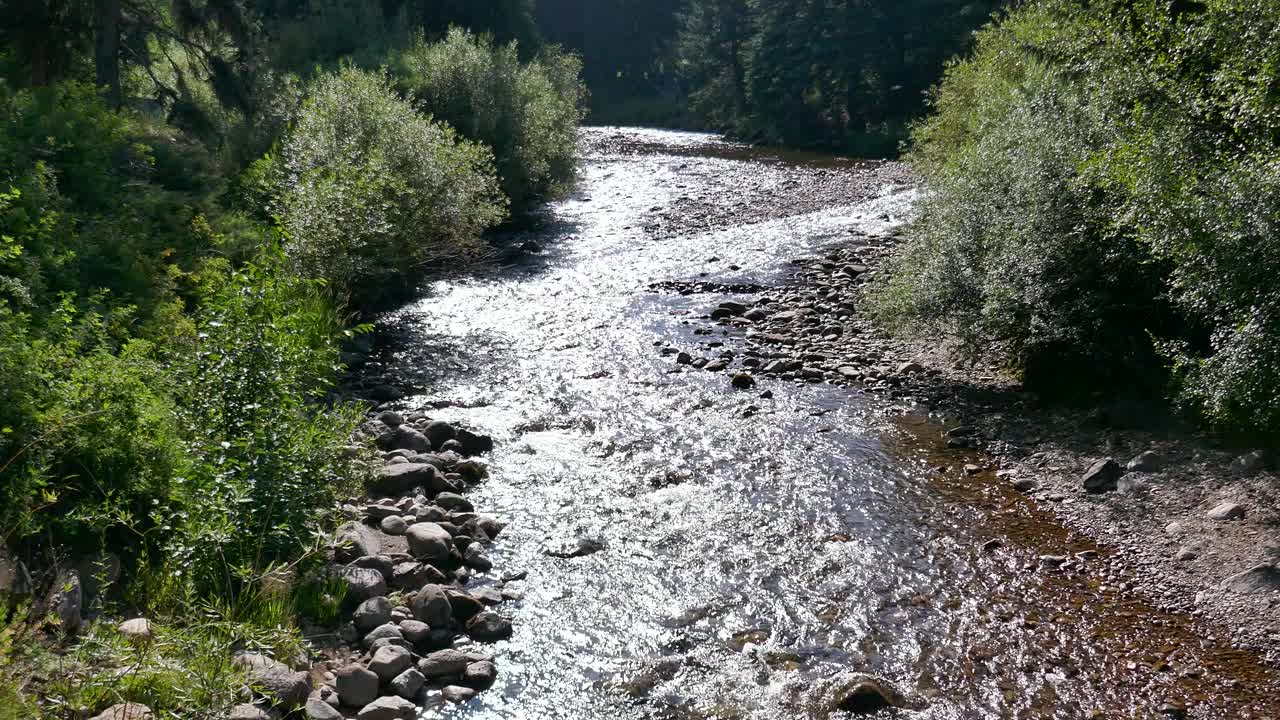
(438, 432)
(473, 443)
(126, 711)
(404, 437)
(317, 709)
(573, 547)
(489, 626)
(429, 541)
(1250, 463)
(474, 557)
(1257, 579)
(390, 661)
(716, 365)
(491, 526)
(1102, 476)
(431, 605)
(408, 683)
(413, 575)
(454, 502)
(400, 479)
(473, 471)
(387, 631)
(381, 563)
(1186, 553)
(371, 613)
(355, 540)
(859, 694)
(743, 381)
(363, 583)
(480, 675)
(910, 368)
(1149, 462)
(357, 686)
(390, 707)
(464, 605)
(457, 693)
(443, 663)
(1227, 511)
(415, 631)
(275, 681)
(394, 525)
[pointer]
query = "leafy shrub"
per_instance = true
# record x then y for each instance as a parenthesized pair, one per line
(1101, 181)
(371, 191)
(528, 114)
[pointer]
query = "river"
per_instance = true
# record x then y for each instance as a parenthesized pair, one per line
(747, 549)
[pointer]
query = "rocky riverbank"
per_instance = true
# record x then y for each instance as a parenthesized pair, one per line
(1192, 522)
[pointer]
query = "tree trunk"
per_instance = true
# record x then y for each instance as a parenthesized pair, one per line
(106, 48)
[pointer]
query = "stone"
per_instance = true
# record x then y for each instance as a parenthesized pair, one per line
(247, 711)
(363, 583)
(457, 693)
(439, 431)
(393, 525)
(1186, 553)
(453, 502)
(491, 526)
(387, 631)
(1025, 485)
(489, 626)
(65, 600)
(1250, 463)
(1227, 511)
(474, 557)
(716, 365)
(865, 695)
(125, 711)
(431, 605)
(465, 606)
(910, 368)
(137, 630)
(404, 437)
(573, 547)
(399, 479)
(408, 683)
(472, 470)
(381, 563)
(443, 663)
(684, 358)
(1257, 579)
(391, 418)
(317, 709)
(274, 681)
(743, 381)
(429, 541)
(1149, 462)
(1102, 476)
(355, 540)
(480, 675)
(473, 443)
(415, 631)
(390, 661)
(357, 686)
(15, 580)
(413, 575)
(390, 707)
(371, 613)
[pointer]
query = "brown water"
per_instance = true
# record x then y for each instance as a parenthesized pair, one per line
(748, 560)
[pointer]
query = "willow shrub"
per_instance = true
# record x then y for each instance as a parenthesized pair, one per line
(1102, 188)
(527, 113)
(371, 192)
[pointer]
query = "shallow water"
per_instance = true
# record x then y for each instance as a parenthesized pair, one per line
(747, 560)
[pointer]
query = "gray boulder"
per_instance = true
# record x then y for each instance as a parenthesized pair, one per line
(431, 606)
(429, 541)
(480, 675)
(371, 613)
(1227, 511)
(389, 708)
(404, 437)
(317, 709)
(1257, 579)
(390, 661)
(276, 682)
(1148, 462)
(355, 540)
(363, 583)
(1102, 476)
(443, 663)
(413, 575)
(439, 431)
(356, 685)
(408, 683)
(489, 626)
(402, 478)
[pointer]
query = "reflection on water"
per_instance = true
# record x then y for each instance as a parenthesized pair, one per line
(746, 559)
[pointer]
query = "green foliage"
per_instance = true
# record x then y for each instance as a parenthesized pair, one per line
(371, 191)
(1103, 177)
(528, 114)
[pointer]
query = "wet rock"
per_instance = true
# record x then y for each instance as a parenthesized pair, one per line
(1257, 579)
(1149, 462)
(457, 693)
(439, 431)
(1227, 511)
(126, 711)
(1025, 485)
(275, 681)
(390, 661)
(317, 709)
(574, 547)
(385, 393)
(356, 685)
(491, 526)
(743, 381)
(444, 663)
(363, 583)
(716, 365)
(684, 358)
(454, 502)
(382, 510)
(390, 707)
(473, 471)
(407, 684)
(371, 613)
(480, 675)
(1102, 476)
(473, 443)
(464, 605)
(404, 437)
(355, 540)
(865, 695)
(137, 630)
(489, 626)
(733, 308)
(474, 557)
(394, 525)
(431, 605)
(429, 541)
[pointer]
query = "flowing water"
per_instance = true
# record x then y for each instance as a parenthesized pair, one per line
(743, 559)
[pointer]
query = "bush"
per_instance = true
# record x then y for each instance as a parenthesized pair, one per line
(371, 192)
(528, 114)
(1101, 181)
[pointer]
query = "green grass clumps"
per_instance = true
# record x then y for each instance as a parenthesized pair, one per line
(527, 113)
(1101, 204)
